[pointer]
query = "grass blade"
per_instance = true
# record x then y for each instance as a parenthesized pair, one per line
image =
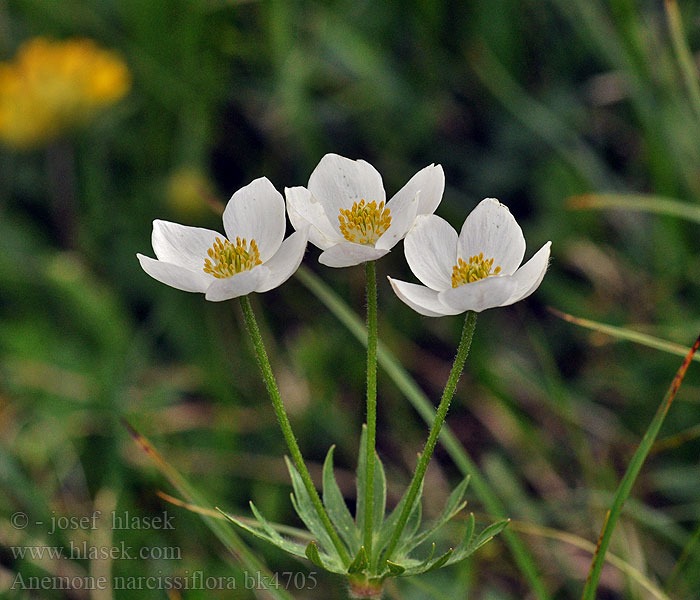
(579, 542)
(683, 53)
(625, 487)
(222, 531)
(659, 205)
(622, 333)
(401, 378)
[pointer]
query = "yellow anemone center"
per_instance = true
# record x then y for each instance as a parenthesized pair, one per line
(226, 260)
(365, 222)
(477, 268)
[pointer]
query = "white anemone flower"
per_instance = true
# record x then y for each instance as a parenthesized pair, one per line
(476, 270)
(253, 258)
(344, 204)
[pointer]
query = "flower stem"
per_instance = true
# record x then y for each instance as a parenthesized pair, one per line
(447, 395)
(285, 425)
(371, 276)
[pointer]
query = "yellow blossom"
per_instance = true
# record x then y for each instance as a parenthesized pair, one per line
(51, 86)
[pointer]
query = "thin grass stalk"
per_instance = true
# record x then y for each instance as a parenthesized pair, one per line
(625, 487)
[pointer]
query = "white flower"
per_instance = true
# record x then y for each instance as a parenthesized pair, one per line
(252, 259)
(475, 271)
(345, 207)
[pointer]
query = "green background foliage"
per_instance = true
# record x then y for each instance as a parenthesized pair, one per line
(531, 102)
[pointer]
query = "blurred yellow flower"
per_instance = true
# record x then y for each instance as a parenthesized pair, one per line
(51, 86)
(189, 192)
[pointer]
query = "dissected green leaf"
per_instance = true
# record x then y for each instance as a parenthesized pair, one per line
(440, 562)
(264, 534)
(306, 510)
(389, 523)
(452, 507)
(361, 480)
(471, 544)
(379, 492)
(360, 562)
(313, 555)
(395, 569)
(335, 506)
(412, 525)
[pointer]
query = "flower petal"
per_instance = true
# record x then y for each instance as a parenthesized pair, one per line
(479, 295)
(256, 211)
(337, 182)
(431, 251)
(175, 276)
(403, 210)
(421, 299)
(491, 229)
(430, 182)
(238, 285)
(182, 245)
(528, 277)
(304, 209)
(347, 254)
(287, 260)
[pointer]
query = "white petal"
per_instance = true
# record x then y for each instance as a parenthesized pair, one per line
(304, 209)
(175, 276)
(256, 211)
(431, 251)
(182, 245)
(403, 210)
(528, 277)
(479, 295)
(337, 182)
(430, 182)
(238, 285)
(421, 299)
(491, 229)
(347, 254)
(287, 260)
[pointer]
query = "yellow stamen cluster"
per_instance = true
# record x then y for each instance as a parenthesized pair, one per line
(51, 86)
(365, 222)
(229, 259)
(477, 268)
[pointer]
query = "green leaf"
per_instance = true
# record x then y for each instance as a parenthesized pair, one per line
(379, 492)
(306, 510)
(361, 480)
(360, 562)
(452, 507)
(389, 524)
(440, 562)
(412, 524)
(428, 564)
(379, 486)
(395, 569)
(335, 505)
(470, 544)
(269, 535)
(313, 555)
